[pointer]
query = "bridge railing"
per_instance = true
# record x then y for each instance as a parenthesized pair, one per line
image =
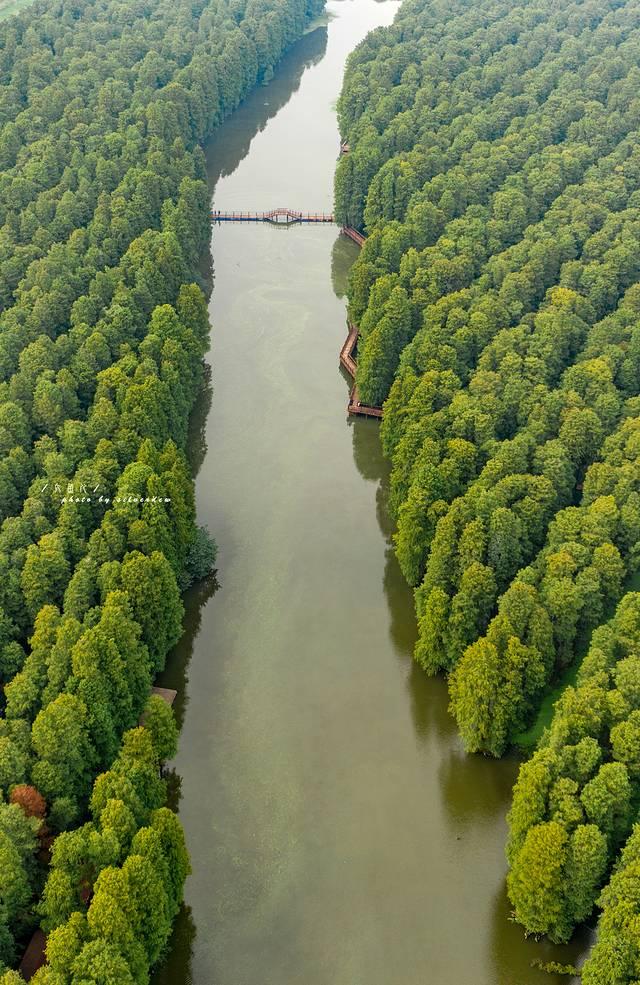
(217, 215)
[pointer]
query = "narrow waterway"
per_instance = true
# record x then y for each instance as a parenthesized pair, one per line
(337, 832)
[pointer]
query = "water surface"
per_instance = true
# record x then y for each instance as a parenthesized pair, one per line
(338, 834)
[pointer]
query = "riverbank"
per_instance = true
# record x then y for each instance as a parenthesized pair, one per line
(337, 831)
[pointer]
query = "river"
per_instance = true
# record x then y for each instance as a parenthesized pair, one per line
(338, 834)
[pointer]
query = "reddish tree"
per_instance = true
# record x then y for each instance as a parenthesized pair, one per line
(29, 799)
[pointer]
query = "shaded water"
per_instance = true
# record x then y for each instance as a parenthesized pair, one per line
(338, 834)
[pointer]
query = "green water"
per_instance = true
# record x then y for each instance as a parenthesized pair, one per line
(338, 834)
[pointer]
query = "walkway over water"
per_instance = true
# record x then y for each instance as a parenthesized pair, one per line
(283, 216)
(347, 357)
(348, 352)
(348, 362)
(354, 235)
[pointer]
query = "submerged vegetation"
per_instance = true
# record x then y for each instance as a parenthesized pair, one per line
(103, 218)
(493, 164)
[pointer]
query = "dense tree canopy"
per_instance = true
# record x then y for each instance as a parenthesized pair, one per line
(104, 213)
(615, 959)
(493, 165)
(582, 783)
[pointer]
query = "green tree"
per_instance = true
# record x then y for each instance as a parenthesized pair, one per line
(45, 573)
(159, 721)
(60, 737)
(536, 881)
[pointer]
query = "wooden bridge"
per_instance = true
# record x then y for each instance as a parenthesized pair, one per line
(284, 217)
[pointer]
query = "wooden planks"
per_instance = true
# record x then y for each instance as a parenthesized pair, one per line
(354, 235)
(363, 410)
(346, 353)
(166, 693)
(347, 360)
(284, 216)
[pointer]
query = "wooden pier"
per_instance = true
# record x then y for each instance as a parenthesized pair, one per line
(283, 217)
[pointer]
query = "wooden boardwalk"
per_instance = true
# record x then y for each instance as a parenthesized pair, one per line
(363, 410)
(166, 693)
(348, 351)
(283, 217)
(347, 358)
(348, 362)
(354, 235)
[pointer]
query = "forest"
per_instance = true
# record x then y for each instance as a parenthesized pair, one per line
(104, 215)
(493, 165)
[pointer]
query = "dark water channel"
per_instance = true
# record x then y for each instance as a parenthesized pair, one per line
(338, 834)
